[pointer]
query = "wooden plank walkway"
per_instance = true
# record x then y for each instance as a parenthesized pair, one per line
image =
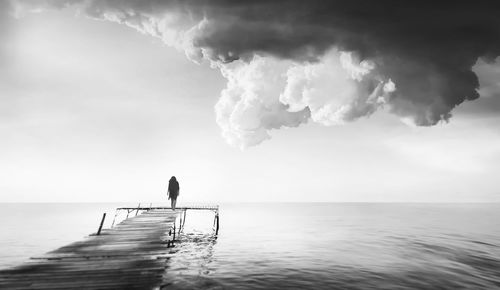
(132, 255)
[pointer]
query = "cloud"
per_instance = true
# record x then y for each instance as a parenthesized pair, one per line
(249, 106)
(488, 105)
(328, 61)
(267, 93)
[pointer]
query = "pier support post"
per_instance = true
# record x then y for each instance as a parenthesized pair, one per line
(217, 223)
(174, 231)
(102, 222)
(181, 221)
(139, 206)
(170, 242)
(184, 219)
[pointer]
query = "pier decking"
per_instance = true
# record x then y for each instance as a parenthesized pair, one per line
(131, 255)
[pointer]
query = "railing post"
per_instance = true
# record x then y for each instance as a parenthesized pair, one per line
(102, 222)
(139, 206)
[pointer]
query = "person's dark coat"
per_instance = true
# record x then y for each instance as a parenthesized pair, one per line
(173, 188)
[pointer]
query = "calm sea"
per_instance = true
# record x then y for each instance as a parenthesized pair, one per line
(296, 246)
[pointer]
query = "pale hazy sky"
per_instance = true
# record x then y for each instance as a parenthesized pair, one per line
(95, 111)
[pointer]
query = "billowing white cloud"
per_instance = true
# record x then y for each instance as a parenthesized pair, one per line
(250, 105)
(268, 93)
(337, 88)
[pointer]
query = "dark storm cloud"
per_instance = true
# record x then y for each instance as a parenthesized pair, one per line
(427, 48)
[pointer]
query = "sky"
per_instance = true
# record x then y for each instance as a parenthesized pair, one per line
(92, 110)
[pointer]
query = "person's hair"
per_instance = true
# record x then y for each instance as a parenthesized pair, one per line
(172, 178)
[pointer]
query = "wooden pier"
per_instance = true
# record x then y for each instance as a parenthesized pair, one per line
(132, 255)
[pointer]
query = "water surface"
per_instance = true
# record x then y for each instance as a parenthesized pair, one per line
(291, 246)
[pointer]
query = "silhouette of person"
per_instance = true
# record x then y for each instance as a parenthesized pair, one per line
(173, 191)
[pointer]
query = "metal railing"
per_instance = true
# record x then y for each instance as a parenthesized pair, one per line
(173, 230)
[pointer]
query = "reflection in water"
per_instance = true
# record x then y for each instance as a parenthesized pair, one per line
(190, 263)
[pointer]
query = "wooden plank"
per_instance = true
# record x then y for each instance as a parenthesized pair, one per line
(132, 255)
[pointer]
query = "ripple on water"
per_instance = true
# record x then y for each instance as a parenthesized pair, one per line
(357, 251)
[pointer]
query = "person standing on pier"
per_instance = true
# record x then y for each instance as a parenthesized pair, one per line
(173, 191)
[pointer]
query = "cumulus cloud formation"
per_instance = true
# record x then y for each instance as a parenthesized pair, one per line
(267, 93)
(290, 61)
